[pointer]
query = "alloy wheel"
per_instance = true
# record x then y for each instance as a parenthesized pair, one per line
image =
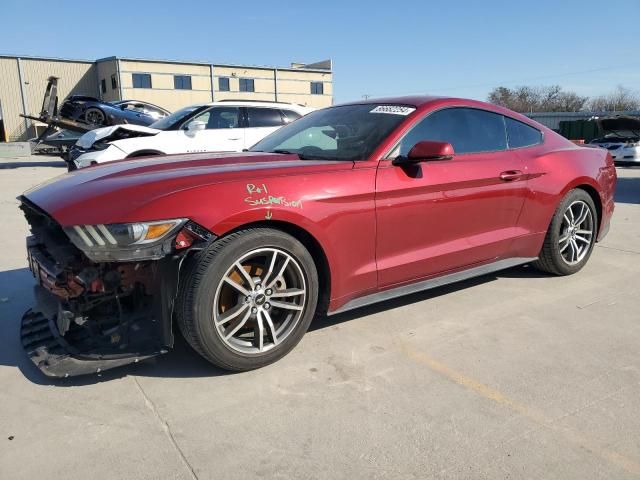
(94, 117)
(259, 301)
(576, 232)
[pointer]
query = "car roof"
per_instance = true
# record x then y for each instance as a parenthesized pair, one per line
(412, 100)
(255, 103)
(420, 101)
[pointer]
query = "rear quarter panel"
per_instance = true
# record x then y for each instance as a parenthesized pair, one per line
(553, 173)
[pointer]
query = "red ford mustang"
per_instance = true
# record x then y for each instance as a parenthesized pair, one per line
(347, 206)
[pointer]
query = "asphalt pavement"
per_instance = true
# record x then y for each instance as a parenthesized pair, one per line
(512, 375)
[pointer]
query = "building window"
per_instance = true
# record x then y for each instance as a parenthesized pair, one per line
(103, 86)
(247, 85)
(114, 82)
(182, 82)
(223, 84)
(317, 88)
(141, 80)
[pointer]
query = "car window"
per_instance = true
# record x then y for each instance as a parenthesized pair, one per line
(173, 120)
(218, 118)
(521, 135)
(264, 117)
(290, 116)
(134, 107)
(468, 130)
(347, 132)
(153, 112)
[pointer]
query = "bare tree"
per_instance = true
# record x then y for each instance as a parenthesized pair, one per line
(526, 99)
(619, 100)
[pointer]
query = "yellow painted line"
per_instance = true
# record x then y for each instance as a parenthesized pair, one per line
(615, 458)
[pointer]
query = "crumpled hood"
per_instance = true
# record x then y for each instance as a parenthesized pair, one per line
(123, 191)
(88, 139)
(620, 123)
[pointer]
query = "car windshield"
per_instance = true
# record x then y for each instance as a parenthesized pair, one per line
(350, 132)
(176, 116)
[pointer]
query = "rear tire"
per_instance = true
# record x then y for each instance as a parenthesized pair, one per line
(571, 235)
(242, 319)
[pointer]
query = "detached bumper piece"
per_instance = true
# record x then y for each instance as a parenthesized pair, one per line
(62, 357)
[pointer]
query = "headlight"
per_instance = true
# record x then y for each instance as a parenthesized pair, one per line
(125, 241)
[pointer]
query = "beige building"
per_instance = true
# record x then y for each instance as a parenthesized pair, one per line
(169, 84)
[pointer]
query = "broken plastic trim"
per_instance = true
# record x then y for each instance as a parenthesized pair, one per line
(55, 357)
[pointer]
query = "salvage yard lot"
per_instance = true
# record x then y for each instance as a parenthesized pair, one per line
(512, 375)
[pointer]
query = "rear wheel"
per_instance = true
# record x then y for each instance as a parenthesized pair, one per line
(571, 235)
(248, 299)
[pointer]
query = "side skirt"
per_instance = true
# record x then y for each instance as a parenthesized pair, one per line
(432, 283)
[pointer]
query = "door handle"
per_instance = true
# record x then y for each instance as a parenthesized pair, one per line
(511, 175)
(238, 138)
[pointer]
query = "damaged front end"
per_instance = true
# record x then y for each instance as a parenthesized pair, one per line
(104, 293)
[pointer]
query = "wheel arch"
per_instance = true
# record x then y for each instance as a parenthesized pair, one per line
(597, 201)
(588, 186)
(311, 243)
(145, 153)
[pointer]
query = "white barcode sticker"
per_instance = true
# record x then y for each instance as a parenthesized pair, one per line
(393, 109)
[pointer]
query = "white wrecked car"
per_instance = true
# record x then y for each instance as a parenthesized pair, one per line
(225, 126)
(621, 136)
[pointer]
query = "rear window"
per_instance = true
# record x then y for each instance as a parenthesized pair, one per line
(264, 117)
(521, 135)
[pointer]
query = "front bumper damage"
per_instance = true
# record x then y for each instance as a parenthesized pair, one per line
(57, 357)
(90, 317)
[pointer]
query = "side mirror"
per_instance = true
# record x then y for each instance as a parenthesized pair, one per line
(426, 151)
(194, 127)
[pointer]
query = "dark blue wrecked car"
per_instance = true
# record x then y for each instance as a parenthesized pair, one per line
(95, 112)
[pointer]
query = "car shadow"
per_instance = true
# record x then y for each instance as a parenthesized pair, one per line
(16, 297)
(181, 361)
(628, 190)
(32, 163)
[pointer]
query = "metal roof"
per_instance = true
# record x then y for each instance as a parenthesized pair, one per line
(230, 65)
(633, 113)
(50, 59)
(181, 62)
(552, 119)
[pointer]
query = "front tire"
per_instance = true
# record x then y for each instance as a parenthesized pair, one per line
(94, 116)
(248, 299)
(571, 235)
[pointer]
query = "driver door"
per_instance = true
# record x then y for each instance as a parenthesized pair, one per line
(438, 216)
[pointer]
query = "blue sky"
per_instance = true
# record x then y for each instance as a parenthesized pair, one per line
(461, 48)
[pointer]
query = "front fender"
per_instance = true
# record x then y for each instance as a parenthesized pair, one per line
(336, 208)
